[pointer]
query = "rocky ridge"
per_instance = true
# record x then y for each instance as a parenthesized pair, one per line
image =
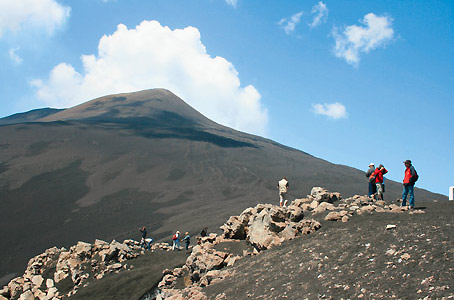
(263, 226)
(59, 273)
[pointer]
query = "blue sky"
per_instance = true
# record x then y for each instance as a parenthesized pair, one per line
(351, 82)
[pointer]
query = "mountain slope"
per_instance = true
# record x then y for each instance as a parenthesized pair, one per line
(108, 166)
(29, 116)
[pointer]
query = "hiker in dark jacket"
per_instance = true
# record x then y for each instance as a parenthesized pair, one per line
(409, 184)
(379, 172)
(187, 240)
(372, 186)
(145, 242)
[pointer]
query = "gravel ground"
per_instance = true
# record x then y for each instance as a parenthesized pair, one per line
(358, 259)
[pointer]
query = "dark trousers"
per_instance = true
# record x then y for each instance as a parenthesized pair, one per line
(372, 188)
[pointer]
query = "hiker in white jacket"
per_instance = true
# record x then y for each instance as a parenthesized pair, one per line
(283, 189)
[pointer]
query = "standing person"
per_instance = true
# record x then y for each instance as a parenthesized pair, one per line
(372, 186)
(176, 241)
(203, 233)
(187, 240)
(144, 242)
(283, 189)
(410, 178)
(379, 172)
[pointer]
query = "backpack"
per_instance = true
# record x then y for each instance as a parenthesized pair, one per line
(372, 178)
(415, 177)
(174, 237)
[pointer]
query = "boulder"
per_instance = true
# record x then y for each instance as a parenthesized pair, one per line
(15, 286)
(100, 245)
(60, 275)
(266, 225)
(37, 280)
(52, 292)
(230, 260)
(168, 281)
(39, 294)
(301, 202)
(324, 206)
(380, 209)
(322, 195)
(380, 203)
(288, 233)
(333, 216)
(28, 295)
(366, 209)
(214, 276)
(314, 204)
(116, 266)
(4, 292)
(82, 250)
(27, 286)
(295, 213)
(49, 283)
(397, 209)
(343, 213)
(203, 260)
(234, 228)
(210, 238)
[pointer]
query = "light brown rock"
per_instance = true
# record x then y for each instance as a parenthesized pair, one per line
(40, 294)
(28, 295)
(49, 283)
(37, 280)
(60, 275)
(333, 216)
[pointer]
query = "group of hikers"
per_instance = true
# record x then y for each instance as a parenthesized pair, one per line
(376, 184)
(376, 191)
(146, 242)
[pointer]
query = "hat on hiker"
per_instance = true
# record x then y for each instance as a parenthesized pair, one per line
(407, 161)
(371, 164)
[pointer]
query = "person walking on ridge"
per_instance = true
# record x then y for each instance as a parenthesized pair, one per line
(145, 242)
(176, 241)
(410, 177)
(283, 189)
(372, 186)
(187, 240)
(379, 172)
(203, 233)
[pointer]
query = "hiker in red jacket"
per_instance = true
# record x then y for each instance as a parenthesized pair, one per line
(410, 178)
(379, 172)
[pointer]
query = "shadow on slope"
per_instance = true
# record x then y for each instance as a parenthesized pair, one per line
(165, 124)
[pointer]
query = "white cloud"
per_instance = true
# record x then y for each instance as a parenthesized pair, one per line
(42, 15)
(355, 39)
(15, 58)
(321, 14)
(154, 56)
(332, 110)
(289, 25)
(232, 2)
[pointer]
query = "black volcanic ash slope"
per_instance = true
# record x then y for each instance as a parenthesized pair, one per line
(110, 165)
